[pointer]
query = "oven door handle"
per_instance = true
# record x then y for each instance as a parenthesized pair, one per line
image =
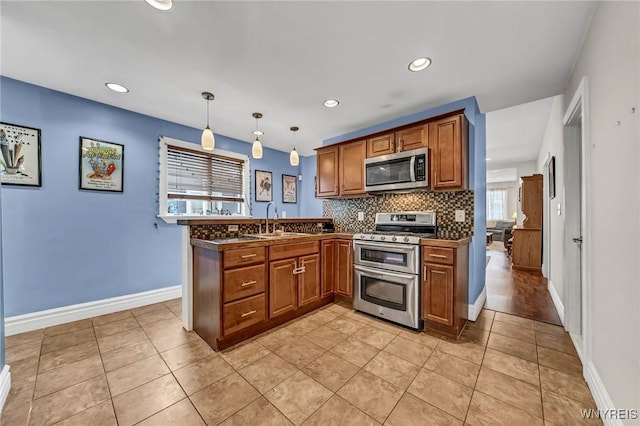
(403, 248)
(377, 274)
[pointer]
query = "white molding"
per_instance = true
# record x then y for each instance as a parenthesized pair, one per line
(476, 308)
(50, 317)
(187, 279)
(600, 395)
(5, 385)
(557, 302)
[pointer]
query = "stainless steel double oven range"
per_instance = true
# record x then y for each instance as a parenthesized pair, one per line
(387, 266)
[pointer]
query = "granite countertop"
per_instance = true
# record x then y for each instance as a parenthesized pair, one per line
(231, 243)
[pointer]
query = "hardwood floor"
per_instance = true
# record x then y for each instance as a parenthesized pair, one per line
(517, 292)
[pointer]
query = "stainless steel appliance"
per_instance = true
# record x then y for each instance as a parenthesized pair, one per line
(406, 170)
(387, 266)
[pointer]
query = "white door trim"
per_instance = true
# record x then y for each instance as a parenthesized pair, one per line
(580, 105)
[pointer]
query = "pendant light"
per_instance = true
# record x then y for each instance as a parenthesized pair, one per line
(207, 140)
(293, 157)
(256, 149)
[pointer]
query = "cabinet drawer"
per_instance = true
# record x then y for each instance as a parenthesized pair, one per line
(243, 282)
(240, 257)
(286, 251)
(437, 255)
(239, 315)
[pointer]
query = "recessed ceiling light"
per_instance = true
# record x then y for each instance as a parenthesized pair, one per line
(488, 159)
(258, 132)
(160, 4)
(331, 103)
(419, 64)
(117, 87)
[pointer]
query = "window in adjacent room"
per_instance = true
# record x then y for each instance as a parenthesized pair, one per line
(194, 182)
(497, 204)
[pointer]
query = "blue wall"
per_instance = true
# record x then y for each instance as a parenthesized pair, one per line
(64, 246)
(310, 206)
(477, 176)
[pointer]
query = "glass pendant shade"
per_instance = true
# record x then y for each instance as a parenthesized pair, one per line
(293, 157)
(208, 141)
(256, 149)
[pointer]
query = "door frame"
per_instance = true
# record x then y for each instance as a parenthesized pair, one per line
(579, 105)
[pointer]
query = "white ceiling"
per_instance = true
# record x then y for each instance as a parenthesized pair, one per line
(515, 134)
(284, 58)
(502, 175)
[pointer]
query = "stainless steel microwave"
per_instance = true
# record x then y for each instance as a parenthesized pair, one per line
(398, 171)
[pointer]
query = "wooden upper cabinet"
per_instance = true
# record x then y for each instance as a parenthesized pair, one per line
(448, 143)
(381, 145)
(531, 195)
(412, 138)
(351, 157)
(327, 183)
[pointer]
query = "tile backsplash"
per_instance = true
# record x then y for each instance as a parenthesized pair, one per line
(345, 211)
(213, 231)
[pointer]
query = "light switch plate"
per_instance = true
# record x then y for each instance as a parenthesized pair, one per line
(459, 215)
(360, 215)
(232, 228)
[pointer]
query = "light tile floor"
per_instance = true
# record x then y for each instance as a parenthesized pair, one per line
(333, 366)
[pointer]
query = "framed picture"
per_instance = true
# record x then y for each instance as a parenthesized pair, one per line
(101, 165)
(264, 185)
(289, 189)
(20, 161)
(552, 178)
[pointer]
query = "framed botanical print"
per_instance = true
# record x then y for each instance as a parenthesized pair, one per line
(264, 185)
(289, 189)
(20, 161)
(101, 165)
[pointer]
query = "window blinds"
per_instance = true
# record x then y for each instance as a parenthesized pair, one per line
(193, 175)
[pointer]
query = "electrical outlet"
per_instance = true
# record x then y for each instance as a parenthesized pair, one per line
(459, 215)
(360, 215)
(283, 214)
(232, 228)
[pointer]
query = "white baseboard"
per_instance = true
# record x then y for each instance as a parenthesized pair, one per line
(556, 301)
(5, 385)
(50, 317)
(476, 308)
(600, 395)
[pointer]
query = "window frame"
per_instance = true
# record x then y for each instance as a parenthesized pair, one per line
(163, 198)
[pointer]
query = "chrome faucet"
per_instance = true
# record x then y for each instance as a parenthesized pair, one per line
(275, 216)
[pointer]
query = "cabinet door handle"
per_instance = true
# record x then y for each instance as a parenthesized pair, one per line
(400, 145)
(424, 274)
(248, 283)
(247, 256)
(246, 314)
(439, 256)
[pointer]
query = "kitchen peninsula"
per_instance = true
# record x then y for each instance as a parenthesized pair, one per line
(244, 282)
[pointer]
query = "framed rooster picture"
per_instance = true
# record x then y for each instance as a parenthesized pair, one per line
(101, 165)
(264, 185)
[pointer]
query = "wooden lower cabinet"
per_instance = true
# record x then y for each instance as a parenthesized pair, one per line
(526, 249)
(328, 275)
(240, 293)
(437, 300)
(309, 280)
(445, 287)
(283, 287)
(344, 268)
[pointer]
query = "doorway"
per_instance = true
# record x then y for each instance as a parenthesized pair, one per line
(576, 239)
